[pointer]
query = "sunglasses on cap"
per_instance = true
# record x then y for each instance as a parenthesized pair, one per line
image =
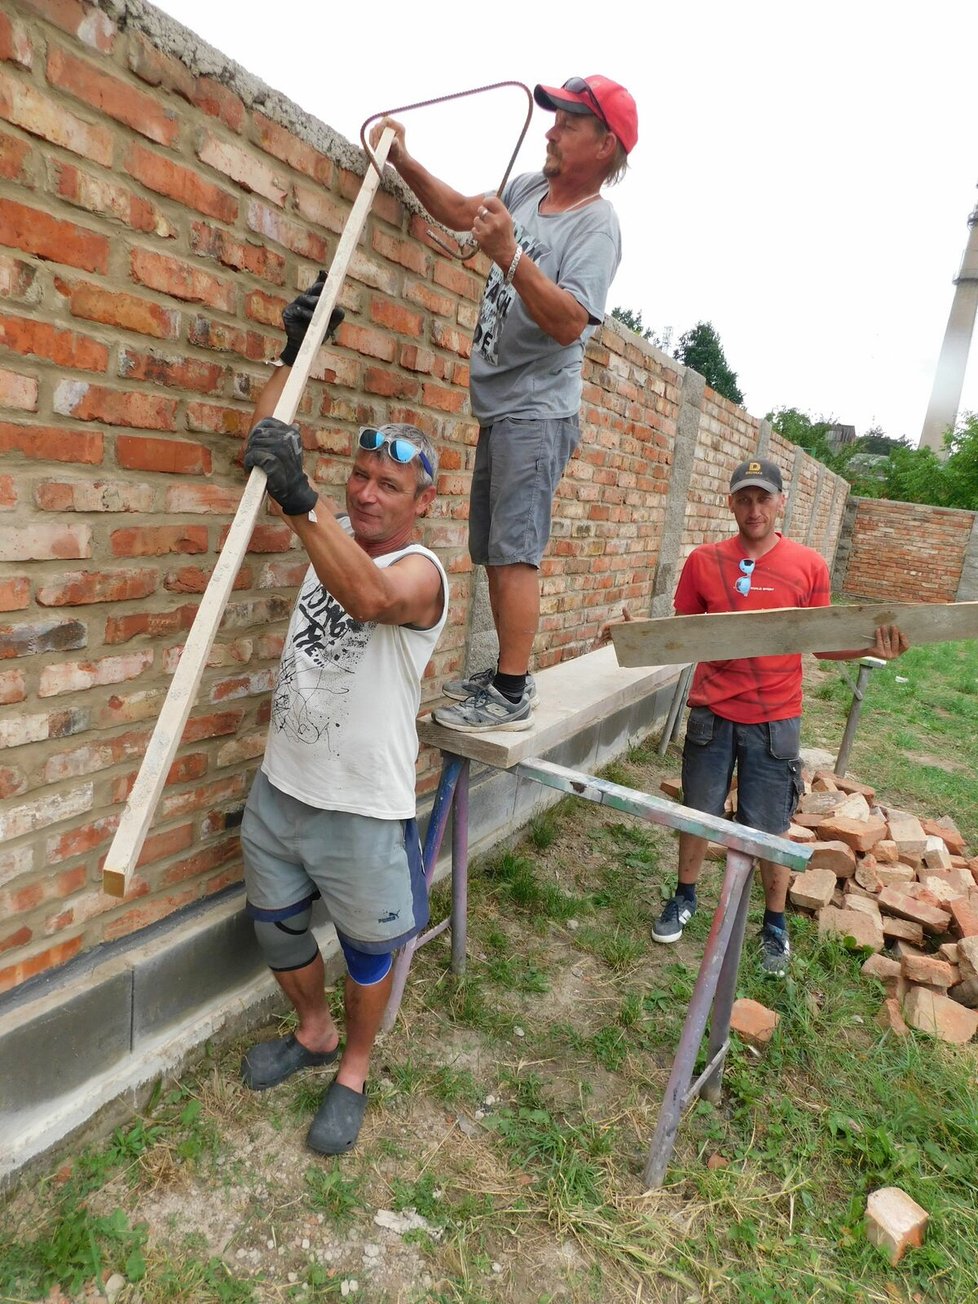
(580, 87)
(398, 449)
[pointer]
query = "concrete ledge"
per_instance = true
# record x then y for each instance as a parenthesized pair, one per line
(80, 1049)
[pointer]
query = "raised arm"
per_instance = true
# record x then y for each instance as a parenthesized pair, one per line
(448, 206)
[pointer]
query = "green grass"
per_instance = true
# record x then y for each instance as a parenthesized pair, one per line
(525, 1153)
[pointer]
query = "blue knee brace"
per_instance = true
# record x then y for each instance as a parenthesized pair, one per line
(284, 936)
(366, 970)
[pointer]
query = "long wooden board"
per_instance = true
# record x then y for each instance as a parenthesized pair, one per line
(722, 636)
(161, 749)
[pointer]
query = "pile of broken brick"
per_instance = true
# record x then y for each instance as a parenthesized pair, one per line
(885, 881)
(902, 888)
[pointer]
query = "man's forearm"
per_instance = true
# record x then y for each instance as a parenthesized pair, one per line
(554, 310)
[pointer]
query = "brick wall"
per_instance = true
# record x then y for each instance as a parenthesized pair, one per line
(155, 218)
(906, 552)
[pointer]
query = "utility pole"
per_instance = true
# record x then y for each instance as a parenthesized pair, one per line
(942, 411)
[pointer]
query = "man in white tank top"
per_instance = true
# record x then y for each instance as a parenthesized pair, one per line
(332, 810)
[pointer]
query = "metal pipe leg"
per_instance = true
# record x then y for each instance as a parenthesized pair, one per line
(460, 869)
(739, 868)
(675, 709)
(712, 1085)
(866, 666)
(437, 822)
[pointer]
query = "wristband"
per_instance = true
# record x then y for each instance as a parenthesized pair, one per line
(514, 264)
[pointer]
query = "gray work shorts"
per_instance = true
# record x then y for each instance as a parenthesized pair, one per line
(367, 871)
(769, 781)
(518, 465)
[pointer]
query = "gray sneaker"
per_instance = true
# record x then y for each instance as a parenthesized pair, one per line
(775, 951)
(460, 689)
(674, 918)
(486, 709)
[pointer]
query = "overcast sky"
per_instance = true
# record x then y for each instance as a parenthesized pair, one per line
(803, 176)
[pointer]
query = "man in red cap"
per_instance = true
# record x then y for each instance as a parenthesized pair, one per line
(555, 247)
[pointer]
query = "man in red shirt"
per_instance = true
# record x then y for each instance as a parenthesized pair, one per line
(746, 713)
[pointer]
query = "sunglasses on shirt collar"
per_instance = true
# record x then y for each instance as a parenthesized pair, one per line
(742, 585)
(398, 449)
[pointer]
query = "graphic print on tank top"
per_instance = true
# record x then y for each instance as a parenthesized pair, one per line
(311, 700)
(498, 299)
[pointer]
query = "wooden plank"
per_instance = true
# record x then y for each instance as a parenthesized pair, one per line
(724, 635)
(570, 697)
(161, 749)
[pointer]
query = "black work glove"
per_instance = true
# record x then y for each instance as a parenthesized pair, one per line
(277, 449)
(297, 316)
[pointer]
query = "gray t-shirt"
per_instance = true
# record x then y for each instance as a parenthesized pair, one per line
(517, 369)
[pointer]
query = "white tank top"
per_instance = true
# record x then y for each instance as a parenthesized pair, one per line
(343, 733)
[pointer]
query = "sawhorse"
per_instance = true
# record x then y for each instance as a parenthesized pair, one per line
(715, 987)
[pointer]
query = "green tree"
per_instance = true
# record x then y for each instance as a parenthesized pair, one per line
(801, 429)
(700, 348)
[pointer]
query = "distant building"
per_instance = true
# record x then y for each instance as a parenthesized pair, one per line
(838, 436)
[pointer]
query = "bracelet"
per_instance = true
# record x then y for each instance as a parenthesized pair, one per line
(514, 264)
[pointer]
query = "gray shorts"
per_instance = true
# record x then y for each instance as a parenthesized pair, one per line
(769, 781)
(367, 871)
(518, 465)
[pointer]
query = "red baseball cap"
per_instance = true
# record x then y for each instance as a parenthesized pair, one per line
(598, 95)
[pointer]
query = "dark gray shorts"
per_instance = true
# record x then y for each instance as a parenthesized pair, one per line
(367, 871)
(518, 465)
(769, 781)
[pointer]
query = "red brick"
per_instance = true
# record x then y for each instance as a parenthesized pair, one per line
(13, 687)
(449, 400)
(181, 280)
(320, 208)
(212, 418)
(284, 231)
(18, 391)
(945, 829)
(250, 173)
(171, 456)
(81, 587)
(160, 846)
(15, 593)
(92, 496)
(155, 68)
(65, 348)
(114, 308)
(229, 339)
(940, 1017)
(285, 145)
(98, 88)
(264, 308)
(407, 253)
(865, 930)
(219, 102)
(183, 184)
(50, 958)
(931, 919)
(890, 1019)
(111, 199)
(15, 44)
(208, 499)
(861, 835)
(14, 154)
(34, 232)
(753, 1022)
(928, 969)
(92, 26)
(965, 917)
(214, 725)
(212, 242)
(157, 541)
(86, 402)
(839, 857)
(154, 624)
(45, 542)
(75, 676)
(176, 372)
(142, 916)
(28, 108)
(894, 1222)
(191, 579)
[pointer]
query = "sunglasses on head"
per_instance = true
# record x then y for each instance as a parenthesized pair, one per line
(742, 585)
(580, 87)
(398, 449)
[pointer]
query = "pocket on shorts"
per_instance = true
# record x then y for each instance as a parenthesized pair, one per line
(784, 738)
(700, 726)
